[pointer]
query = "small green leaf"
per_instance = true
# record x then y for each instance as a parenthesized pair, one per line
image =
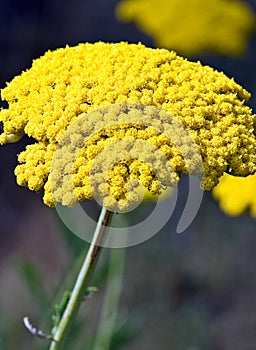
(90, 291)
(59, 309)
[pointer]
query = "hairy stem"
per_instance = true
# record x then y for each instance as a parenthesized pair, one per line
(81, 282)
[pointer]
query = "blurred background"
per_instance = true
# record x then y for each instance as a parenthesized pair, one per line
(192, 291)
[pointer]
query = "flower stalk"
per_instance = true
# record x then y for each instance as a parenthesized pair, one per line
(79, 289)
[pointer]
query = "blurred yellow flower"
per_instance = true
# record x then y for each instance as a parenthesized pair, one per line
(191, 27)
(236, 195)
(68, 91)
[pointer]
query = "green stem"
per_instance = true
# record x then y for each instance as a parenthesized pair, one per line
(78, 292)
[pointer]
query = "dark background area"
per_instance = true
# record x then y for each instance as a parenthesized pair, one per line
(193, 291)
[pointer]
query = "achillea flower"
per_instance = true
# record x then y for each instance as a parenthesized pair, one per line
(87, 85)
(236, 195)
(192, 26)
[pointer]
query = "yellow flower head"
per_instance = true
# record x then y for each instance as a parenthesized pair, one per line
(236, 195)
(78, 101)
(192, 26)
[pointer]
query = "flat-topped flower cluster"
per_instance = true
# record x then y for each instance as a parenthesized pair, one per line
(64, 86)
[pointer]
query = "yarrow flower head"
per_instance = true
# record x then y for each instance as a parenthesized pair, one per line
(236, 195)
(78, 102)
(192, 26)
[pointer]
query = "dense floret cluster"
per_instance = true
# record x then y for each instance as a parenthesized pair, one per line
(66, 86)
